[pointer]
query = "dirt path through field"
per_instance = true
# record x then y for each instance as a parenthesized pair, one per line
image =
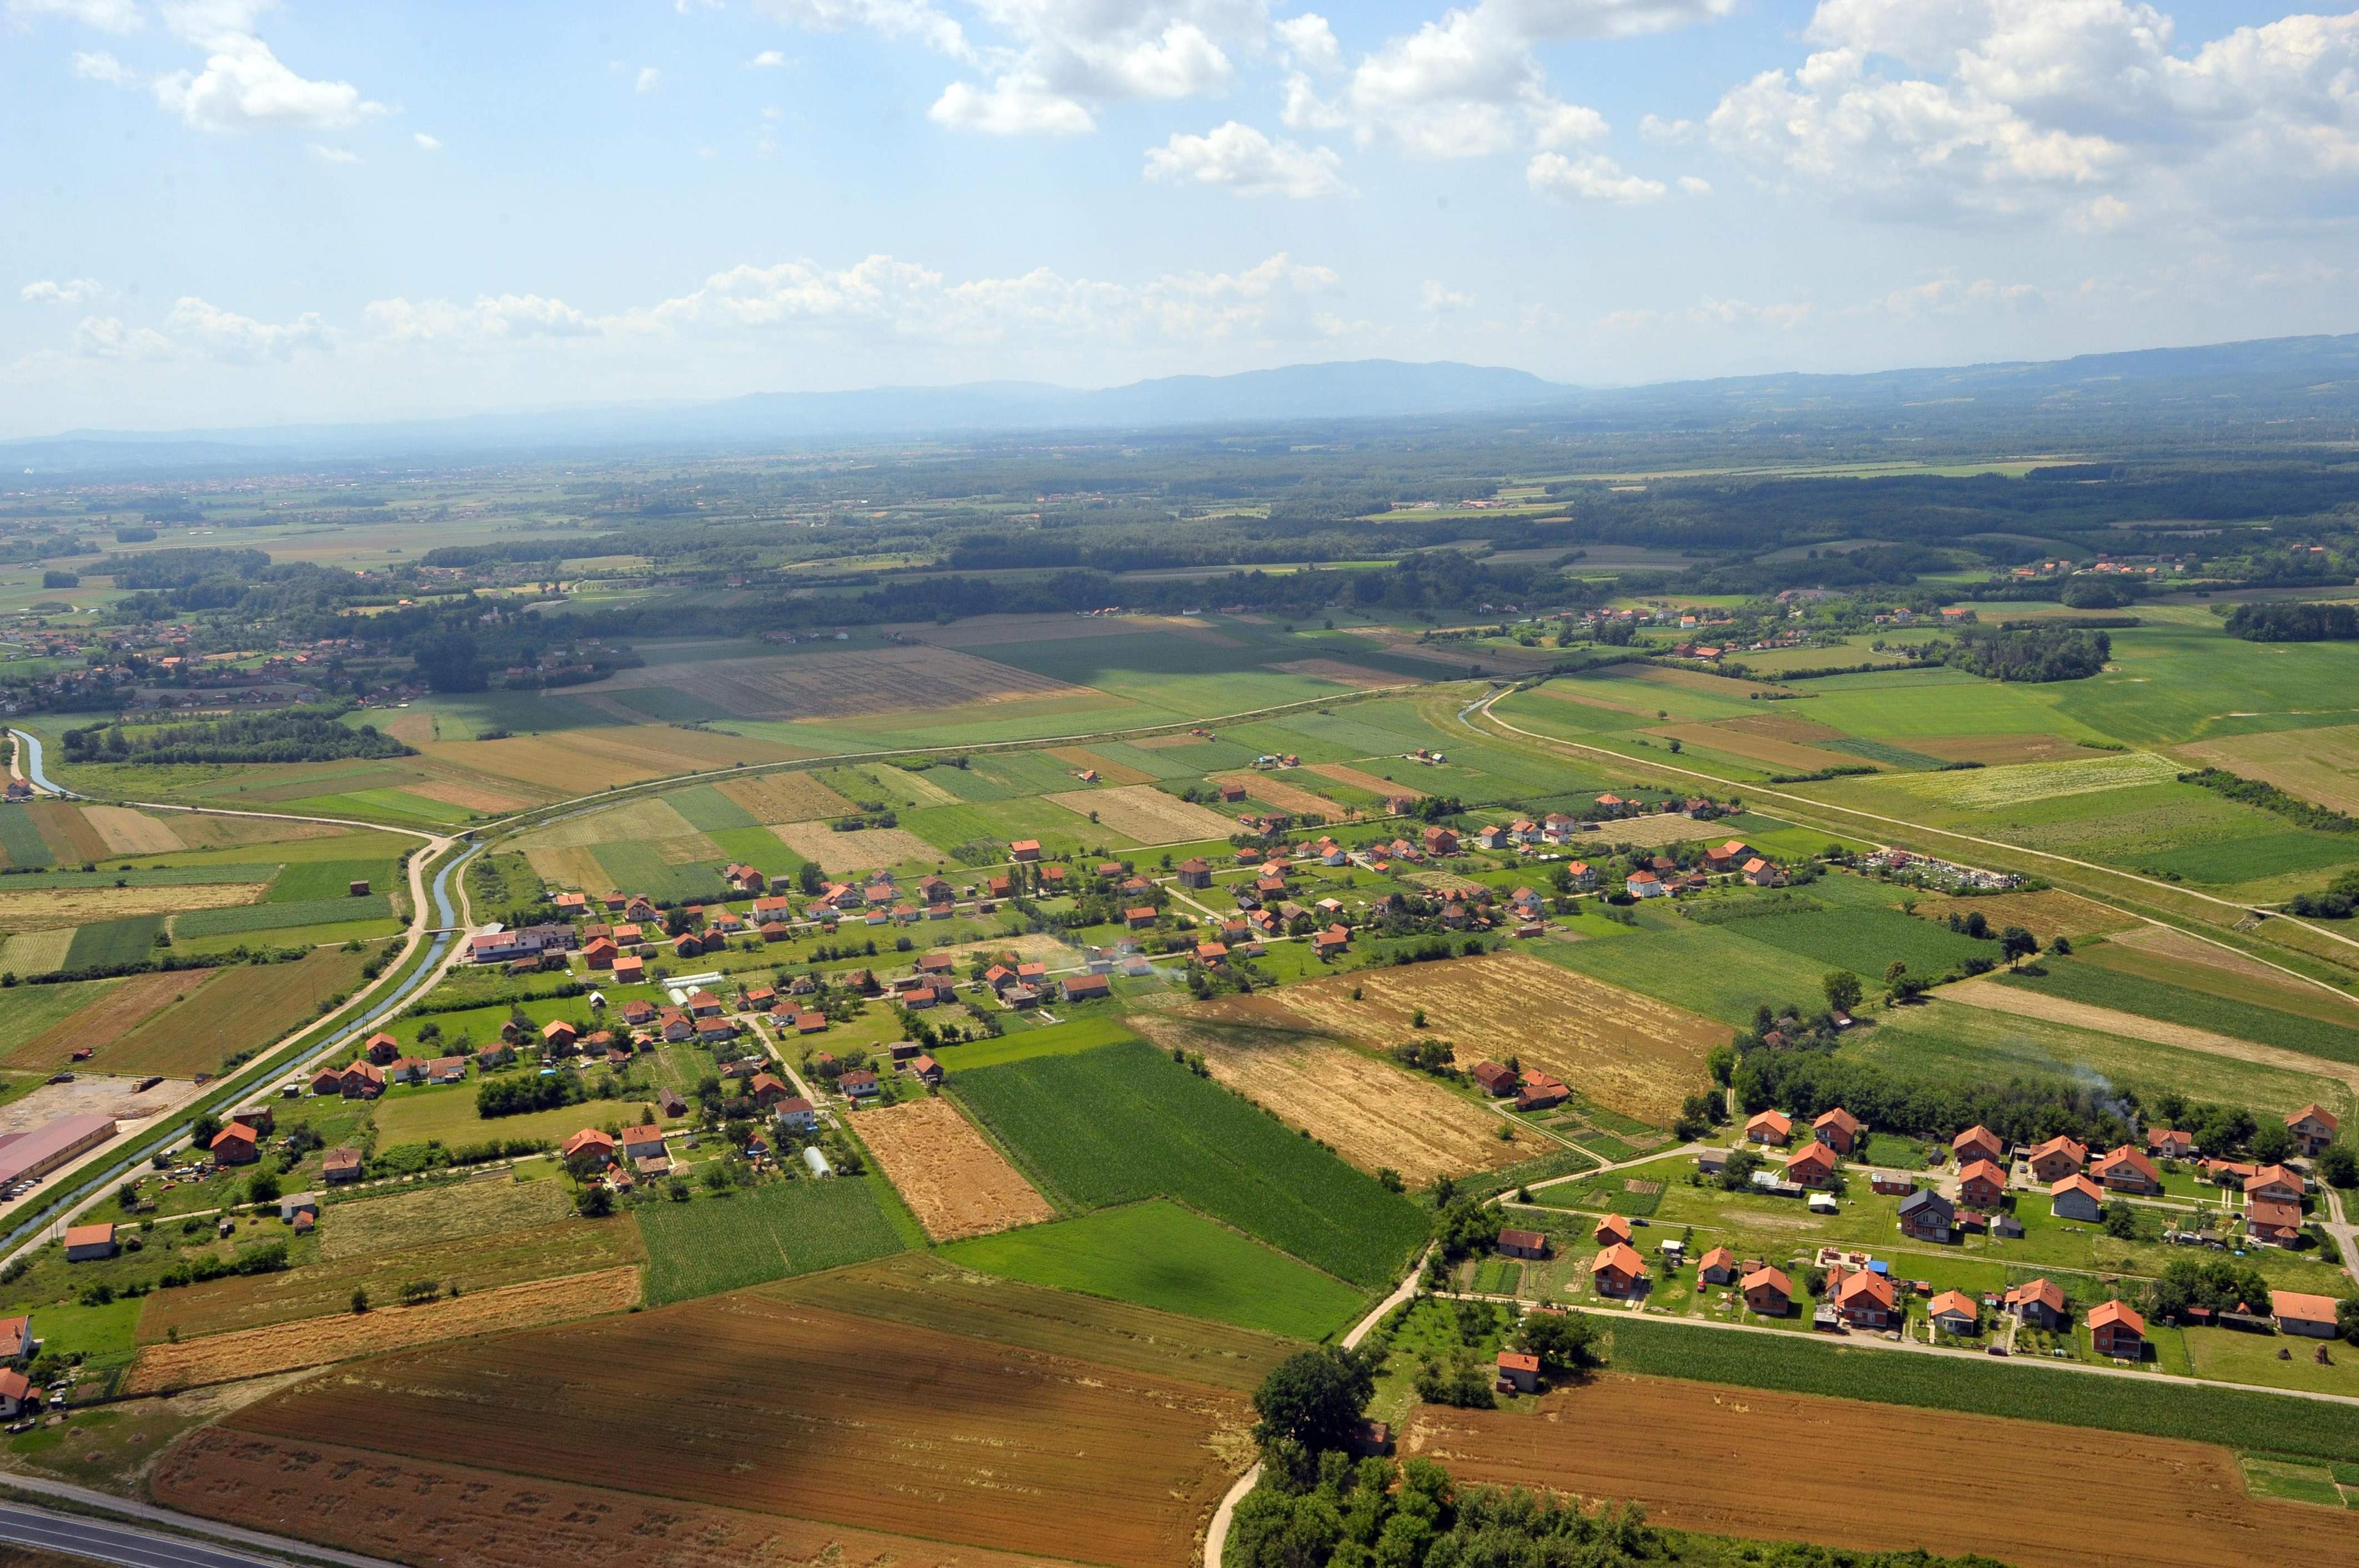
(1693, 1452)
(1993, 997)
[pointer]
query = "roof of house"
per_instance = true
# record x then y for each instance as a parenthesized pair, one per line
(1527, 1238)
(1875, 1287)
(589, 1138)
(1815, 1157)
(1613, 1225)
(89, 1234)
(2076, 1183)
(2061, 1145)
(1774, 1278)
(1517, 1361)
(1837, 1117)
(2276, 1175)
(2274, 1213)
(1777, 1118)
(642, 1135)
(1982, 1171)
(1953, 1303)
(2301, 1307)
(2314, 1112)
(2125, 1155)
(2046, 1292)
(2119, 1312)
(1927, 1198)
(1718, 1257)
(1618, 1258)
(1976, 1134)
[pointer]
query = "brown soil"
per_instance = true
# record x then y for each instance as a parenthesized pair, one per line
(315, 1342)
(1373, 1113)
(1146, 814)
(574, 761)
(99, 1025)
(67, 831)
(417, 1510)
(954, 1439)
(1381, 788)
(470, 795)
(2025, 1003)
(1113, 773)
(1758, 748)
(2028, 1493)
(1998, 751)
(1626, 1051)
(952, 1178)
(868, 849)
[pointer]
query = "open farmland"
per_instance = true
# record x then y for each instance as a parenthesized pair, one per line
(1087, 1462)
(1161, 1255)
(730, 1240)
(251, 1006)
(1373, 1114)
(863, 850)
(1146, 814)
(953, 1181)
(649, 819)
(1681, 1449)
(1125, 1123)
(337, 1497)
(2074, 979)
(1652, 831)
(1987, 789)
(127, 832)
(2320, 764)
(793, 796)
(102, 1022)
(2173, 956)
(1738, 738)
(2047, 913)
(1279, 791)
(573, 761)
(831, 685)
(928, 1290)
(2024, 1002)
(1628, 1053)
(342, 1336)
(367, 1225)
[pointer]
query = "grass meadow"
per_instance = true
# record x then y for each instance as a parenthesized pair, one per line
(769, 1232)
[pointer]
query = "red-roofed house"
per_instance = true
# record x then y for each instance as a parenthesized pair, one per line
(1812, 1167)
(2272, 1223)
(2170, 1143)
(1954, 1312)
(1768, 1292)
(2278, 1183)
(1864, 1300)
(2303, 1314)
(2077, 1197)
(2313, 1126)
(1838, 1129)
(1519, 1371)
(2058, 1158)
(1523, 1243)
(1716, 1267)
(589, 1143)
(1982, 1184)
(1769, 1127)
(2117, 1331)
(1977, 1142)
(2126, 1169)
(1617, 1272)
(237, 1144)
(2040, 1303)
(1612, 1229)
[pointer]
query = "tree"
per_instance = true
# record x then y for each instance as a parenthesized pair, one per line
(204, 1130)
(1564, 1341)
(1737, 1174)
(2338, 1167)
(263, 1188)
(810, 878)
(2346, 1318)
(360, 1300)
(2017, 944)
(2121, 1221)
(2271, 1142)
(1314, 1399)
(1842, 990)
(594, 1202)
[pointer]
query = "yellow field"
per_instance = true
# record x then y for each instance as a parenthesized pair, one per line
(2047, 915)
(791, 797)
(867, 850)
(1626, 1051)
(1275, 789)
(948, 1172)
(573, 762)
(645, 820)
(210, 830)
(1999, 750)
(129, 832)
(1381, 788)
(48, 909)
(474, 795)
(568, 866)
(1652, 832)
(1146, 814)
(2316, 764)
(807, 686)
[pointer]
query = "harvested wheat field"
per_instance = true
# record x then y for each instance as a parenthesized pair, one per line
(1626, 1051)
(100, 1024)
(223, 831)
(48, 909)
(1373, 1113)
(2024, 1002)
(863, 850)
(793, 796)
(1691, 1452)
(67, 832)
(1755, 747)
(129, 832)
(955, 1439)
(417, 1510)
(950, 1175)
(369, 1226)
(475, 794)
(1381, 788)
(1999, 750)
(570, 866)
(646, 820)
(413, 729)
(316, 1341)
(1167, 742)
(570, 762)
(1146, 814)
(1343, 674)
(1280, 793)
(1111, 772)
(2048, 913)
(812, 685)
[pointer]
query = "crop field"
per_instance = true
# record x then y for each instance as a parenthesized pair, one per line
(669, 868)
(1628, 1053)
(49, 909)
(950, 1175)
(2001, 749)
(2093, 986)
(1654, 831)
(863, 850)
(419, 1116)
(1160, 1255)
(570, 866)
(334, 1496)
(1125, 1123)
(237, 921)
(1372, 1113)
(1672, 1441)
(70, 834)
(632, 821)
(1278, 791)
(127, 832)
(2320, 764)
(1866, 941)
(831, 685)
(928, 1290)
(424, 1216)
(21, 843)
(2168, 953)
(475, 1264)
(725, 1243)
(36, 952)
(574, 761)
(1082, 757)
(389, 1325)
(1143, 813)
(1987, 789)
(34, 1009)
(1087, 1462)
(1730, 736)
(2047, 913)
(794, 795)
(110, 943)
(1358, 778)
(254, 1006)
(100, 1023)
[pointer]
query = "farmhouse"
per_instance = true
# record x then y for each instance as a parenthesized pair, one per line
(1523, 1244)
(342, 1165)
(298, 1203)
(16, 1340)
(1519, 1371)
(2040, 1303)
(2126, 1169)
(1716, 1267)
(2076, 1197)
(2272, 1223)
(1769, 1127)
(360, 1081)
(2313, 1128)
(1644, 884)
(237, 1144)
(2277, 1183)
(1618, 1270)
(858, 1083)
(2305, 1314)
(1954, 1312)
(1982, 1184)
(1539, 1091)
(1838, 1129)
(1928, 1216)
(1812, 1167)
(89, 1243)
(1862, 1299)
(17, 1393)
(1612, 1229)
(382, 1048)
(1768, 1292)
(2117, 1331)
(644, 1143)
(1977, 1142)
(590, 1144)
(797, 1114)
(1496, 1078)
(2170, 1143)
(1086, 987)
(2058, 1158)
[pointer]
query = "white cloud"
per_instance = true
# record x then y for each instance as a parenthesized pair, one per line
(1597, 179)
(492, 318)
(72, 291)
(890, 18)
(1015, 105)
(106, 16)
(1246, 161)
(647, 77)
(1310, 43)
(106, 337)
(2044, 108)
(243, 86)
(1438, 298)
(326, 154)
(427, 143)
(225, 335)
(100, 66)
(769, 59)
(1695, 185)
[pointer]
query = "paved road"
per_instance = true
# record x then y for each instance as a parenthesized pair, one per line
(105, 1542)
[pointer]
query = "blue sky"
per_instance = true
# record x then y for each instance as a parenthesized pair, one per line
(233, 211)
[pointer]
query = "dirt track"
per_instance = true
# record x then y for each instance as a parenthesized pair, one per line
(1747, 1463)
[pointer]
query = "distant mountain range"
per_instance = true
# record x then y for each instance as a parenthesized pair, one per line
(2307, 380)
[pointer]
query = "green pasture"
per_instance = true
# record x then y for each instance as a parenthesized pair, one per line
(727, 1242)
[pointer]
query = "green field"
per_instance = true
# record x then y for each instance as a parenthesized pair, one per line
(20, 839)
(725, 1243)
(113, 943)
(1161, 1255)
(1867, 941)
(1792, 1364)
(305, 881)
(239, 919)
(1021, 1044)
(640, 868)
(1125, 1122)
(2099, 986)
(1709, 969)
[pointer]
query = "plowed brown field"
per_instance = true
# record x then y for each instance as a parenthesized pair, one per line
(315, 1342)
(950, 1175)
(1693, 1453)
(416, 1510)
(1626, 1051)
(1373, 1114)
(105, 1022)
(954, 1439)
(1111, 772)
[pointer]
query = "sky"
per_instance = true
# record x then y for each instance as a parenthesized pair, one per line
(224, 212)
